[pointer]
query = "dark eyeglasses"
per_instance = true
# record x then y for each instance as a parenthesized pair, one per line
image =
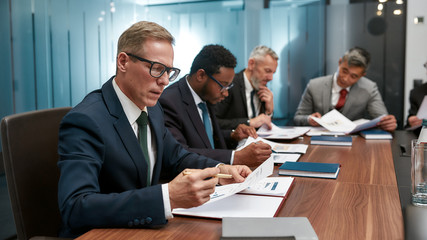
(223, 88)
(157, 69)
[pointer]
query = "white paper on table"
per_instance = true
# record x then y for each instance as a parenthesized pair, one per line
(281, 133)
(319, 131)
(274, 186)
(422, 111)
(278, 147)
(237, 205)
(280, 158)
(334, 121)
(262, 171)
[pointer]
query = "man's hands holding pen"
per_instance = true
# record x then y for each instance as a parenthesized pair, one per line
(192, 190)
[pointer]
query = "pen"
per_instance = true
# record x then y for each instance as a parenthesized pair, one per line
(219, 175)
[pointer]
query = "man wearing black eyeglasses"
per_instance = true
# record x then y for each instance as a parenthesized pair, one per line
(114, 146)
(189, 112)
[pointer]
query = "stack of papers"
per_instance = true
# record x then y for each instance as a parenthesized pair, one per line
(281, 152)
(259, 197)
(281, 133)
(335, 122)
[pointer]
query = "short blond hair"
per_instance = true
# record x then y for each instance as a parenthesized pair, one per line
(133, 38)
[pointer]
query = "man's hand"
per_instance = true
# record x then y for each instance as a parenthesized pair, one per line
(388, 123)
(266, 96)
(192, 190)
(311, 121)
(252, 155)
(259, 120)
(239, 173)
(414, 121)
(243, 131)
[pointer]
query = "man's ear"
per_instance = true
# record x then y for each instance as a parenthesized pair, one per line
(201, 75)
(122, 62)
(251, 64)
(340, 61)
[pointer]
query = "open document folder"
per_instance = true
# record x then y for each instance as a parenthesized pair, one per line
(281, 133)
(334, 121)
(225, 202)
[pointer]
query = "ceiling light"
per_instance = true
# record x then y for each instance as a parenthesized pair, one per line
(397, 12)
(380, 6)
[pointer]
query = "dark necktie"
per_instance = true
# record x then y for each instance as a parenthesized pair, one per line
(252, 103)
(341, 100)
(142, 137)
(207, 122)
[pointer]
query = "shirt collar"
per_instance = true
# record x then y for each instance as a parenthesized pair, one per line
(248, 85)
(196, 97)
(335, 87)
(132, 111)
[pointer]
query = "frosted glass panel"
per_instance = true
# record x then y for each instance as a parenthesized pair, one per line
(63, 49)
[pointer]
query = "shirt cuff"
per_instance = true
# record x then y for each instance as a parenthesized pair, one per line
(166, 201)
(232, 157)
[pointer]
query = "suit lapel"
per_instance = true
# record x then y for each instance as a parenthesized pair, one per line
(240, 83)
(351, 98)
(326, 98)
(192, 111)
(124, 130)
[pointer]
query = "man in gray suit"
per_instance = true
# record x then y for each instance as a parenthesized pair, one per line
(348, 91)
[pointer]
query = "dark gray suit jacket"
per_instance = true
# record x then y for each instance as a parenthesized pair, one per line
(363, 100)
(233, 111)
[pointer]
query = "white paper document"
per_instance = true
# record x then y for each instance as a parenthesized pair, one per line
(334, 121)
(261, 172)
(281, 133)
(273, 186)
(237, 205)
(279, 147)
(280, 158)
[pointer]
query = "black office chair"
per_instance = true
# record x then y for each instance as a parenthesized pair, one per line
(30, 154)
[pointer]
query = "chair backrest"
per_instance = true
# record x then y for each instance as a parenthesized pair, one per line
(30, 155)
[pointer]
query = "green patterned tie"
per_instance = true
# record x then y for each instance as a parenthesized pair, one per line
(142, 133)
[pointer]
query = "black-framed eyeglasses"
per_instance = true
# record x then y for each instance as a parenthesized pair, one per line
(223, 88)
(158, 69)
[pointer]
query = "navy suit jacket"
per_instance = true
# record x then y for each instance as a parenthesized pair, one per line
(103, 171)
(233, 110)
(184, 122)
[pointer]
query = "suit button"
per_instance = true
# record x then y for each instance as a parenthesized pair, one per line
(130, 224)
(148, 220)
(142, 222)
(136, 222)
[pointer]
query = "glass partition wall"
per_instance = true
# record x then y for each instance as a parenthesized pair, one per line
(54, 52)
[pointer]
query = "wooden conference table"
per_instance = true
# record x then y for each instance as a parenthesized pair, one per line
(362, 203)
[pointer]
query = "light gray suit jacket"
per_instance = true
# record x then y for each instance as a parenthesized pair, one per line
(363, 100)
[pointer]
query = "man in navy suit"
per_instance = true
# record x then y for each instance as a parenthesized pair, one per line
(250, 101)
(210, 78)
(111, 159)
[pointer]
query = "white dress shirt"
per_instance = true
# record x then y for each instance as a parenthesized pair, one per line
(132, 113)
(257, 102)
